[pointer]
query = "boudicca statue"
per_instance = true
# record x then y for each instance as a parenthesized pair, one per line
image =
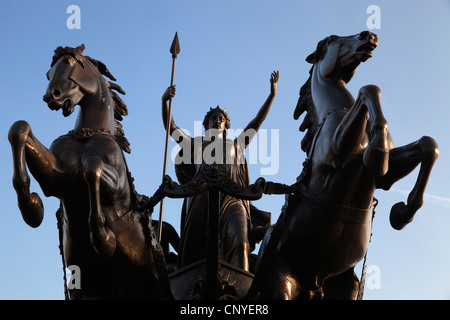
(239, 219)
(325, 225)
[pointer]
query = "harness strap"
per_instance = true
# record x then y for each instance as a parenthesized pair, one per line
(85, 133)
(337, 211)
(362, 281)
(60, 224)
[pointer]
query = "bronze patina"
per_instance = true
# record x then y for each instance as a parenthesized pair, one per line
(236, 215)
(104, 231)
(325, 225)
(324, 228)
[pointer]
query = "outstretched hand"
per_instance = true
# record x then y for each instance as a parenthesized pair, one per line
(273, 82)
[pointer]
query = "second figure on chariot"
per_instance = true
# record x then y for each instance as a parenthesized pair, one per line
(239, 220)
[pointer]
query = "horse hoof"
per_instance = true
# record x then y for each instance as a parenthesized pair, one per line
(399, 216)
(32, 210)
(105, 243)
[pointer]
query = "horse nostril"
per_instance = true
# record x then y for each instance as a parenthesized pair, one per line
(56, 93)
(363, 35)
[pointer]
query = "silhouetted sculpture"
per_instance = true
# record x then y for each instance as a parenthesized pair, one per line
(104, 231)
(325, 226)
(237, 217)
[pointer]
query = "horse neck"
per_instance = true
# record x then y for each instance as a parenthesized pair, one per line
(97, 109)
(329, 94)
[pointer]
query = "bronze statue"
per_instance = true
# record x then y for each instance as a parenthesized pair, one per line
(105, 232)
(325, 225)
(324, 228)
(238, 218)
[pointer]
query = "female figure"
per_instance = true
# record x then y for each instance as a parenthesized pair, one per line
(238, 218)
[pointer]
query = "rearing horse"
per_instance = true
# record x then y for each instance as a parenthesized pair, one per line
(104, 232)
(325, 225)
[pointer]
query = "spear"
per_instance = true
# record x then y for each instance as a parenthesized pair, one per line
(174, 50)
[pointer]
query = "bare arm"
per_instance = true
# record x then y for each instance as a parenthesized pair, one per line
(255, 124)
(168, 94)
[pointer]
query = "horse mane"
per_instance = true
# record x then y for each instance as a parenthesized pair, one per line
(120, 108)
(310, 123)
(305, 101)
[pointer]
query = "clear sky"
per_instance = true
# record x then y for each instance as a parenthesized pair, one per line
(228, 50)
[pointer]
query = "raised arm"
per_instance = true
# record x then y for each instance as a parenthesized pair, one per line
(250, 130)
(170, 93)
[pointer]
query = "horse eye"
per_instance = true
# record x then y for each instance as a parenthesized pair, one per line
(331, 39)
(68, 60)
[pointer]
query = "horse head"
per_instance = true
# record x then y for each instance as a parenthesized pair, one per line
(338, 57)
(72, 76)
(335, 61)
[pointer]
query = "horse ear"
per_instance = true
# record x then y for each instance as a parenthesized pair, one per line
(311, 58)
(80, 48)
(320, 49)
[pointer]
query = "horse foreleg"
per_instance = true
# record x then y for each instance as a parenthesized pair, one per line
(26, 149)
(349, 133)
(102, 238)
(376, 155)
(403, 161)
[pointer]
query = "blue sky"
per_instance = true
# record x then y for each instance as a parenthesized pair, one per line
(228, 50)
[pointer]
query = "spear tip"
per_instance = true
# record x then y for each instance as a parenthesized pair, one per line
(175, 47)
